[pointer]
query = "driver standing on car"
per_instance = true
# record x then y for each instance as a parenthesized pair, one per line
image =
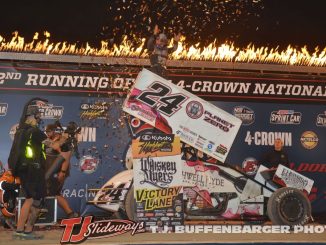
(157, 46)
(276, 156)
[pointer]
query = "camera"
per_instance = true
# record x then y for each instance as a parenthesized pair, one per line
(72, 129)
(71, 143)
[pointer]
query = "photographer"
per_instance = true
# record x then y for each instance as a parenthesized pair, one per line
(27, 161)
(59, 151)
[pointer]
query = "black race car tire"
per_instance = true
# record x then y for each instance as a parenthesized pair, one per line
(289, 206)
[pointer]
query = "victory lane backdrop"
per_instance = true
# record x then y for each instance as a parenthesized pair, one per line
(93, 98)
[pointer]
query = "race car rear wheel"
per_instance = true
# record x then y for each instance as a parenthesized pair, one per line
(289, 206)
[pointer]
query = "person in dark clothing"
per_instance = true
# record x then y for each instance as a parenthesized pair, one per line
(58, 155)
(9, 188)
(276, 156)
(31, 171)
(157, 45)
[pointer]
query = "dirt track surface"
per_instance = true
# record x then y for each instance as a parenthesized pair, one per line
(53, 236)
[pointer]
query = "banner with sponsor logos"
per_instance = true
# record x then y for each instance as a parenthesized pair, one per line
(92, 96)
(205, 84)
(198, 123)
(158, 179)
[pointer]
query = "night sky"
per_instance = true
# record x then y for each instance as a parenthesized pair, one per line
(269, 23)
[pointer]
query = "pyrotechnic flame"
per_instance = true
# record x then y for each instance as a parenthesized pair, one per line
(225, 52)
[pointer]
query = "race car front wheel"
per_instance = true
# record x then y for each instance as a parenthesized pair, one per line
(130, 205)
(289, 206)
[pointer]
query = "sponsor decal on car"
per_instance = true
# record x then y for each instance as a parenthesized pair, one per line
(185, 136)
(151, 143)
(289, 178)
(217, 121)
(157, 198)
(194, 109)
(221, 149)
(157, 172)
